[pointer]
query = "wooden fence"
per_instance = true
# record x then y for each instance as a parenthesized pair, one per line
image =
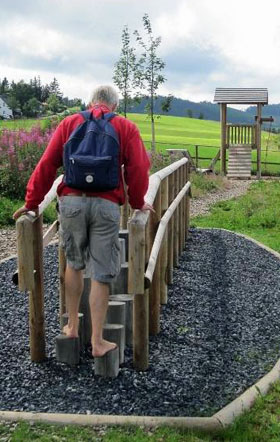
(241, 134)
(155, 243)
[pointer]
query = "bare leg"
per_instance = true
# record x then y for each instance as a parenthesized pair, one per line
(98, 300)
(73, 291)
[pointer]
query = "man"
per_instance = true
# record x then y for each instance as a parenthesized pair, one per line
(89, 221)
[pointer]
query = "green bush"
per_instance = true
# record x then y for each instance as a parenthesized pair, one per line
(8, 207)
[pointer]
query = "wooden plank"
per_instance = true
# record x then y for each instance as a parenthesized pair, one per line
(50, 233)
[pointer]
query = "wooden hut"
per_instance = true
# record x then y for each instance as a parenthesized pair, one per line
(240, 139)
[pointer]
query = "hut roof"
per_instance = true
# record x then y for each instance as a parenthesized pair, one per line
(241, 95)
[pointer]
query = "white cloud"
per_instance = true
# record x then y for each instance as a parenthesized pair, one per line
(208, 43)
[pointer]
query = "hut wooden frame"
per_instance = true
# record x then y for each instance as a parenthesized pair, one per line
(240, 134)
(155, 242)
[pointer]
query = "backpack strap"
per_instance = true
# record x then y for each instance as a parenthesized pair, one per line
(109, 116)
(87, 115)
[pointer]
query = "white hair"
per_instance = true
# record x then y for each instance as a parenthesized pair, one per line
(105, 94)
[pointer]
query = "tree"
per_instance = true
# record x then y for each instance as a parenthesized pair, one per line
(4, 86)
(125, 71)
(189, 113)
(149, 69)
(54, 89)
(32, 107)
(166, 103)
(53, 103)
(13, 103)
(201, 116)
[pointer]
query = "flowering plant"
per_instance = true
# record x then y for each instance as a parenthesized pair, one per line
(20, 151)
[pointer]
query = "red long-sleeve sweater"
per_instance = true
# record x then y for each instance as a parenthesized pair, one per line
(133, 156)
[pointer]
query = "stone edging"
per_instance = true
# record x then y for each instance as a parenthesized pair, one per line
(218, 421)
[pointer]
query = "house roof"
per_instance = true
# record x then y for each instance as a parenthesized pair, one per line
(241, 95)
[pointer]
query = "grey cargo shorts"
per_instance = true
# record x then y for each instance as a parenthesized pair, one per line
(89, 233)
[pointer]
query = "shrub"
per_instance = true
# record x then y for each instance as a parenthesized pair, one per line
(20, 151)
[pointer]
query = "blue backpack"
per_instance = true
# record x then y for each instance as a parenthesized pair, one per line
(91, 155)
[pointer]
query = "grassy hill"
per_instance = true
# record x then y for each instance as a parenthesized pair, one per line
(183, 133)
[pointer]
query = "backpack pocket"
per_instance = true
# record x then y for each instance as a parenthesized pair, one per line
(91, 173)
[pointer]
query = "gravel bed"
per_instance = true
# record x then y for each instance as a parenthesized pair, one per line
(220, 333)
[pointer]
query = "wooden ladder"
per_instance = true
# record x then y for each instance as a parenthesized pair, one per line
(239, 161)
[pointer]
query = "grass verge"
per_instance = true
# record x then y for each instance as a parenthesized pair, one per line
(256, 214)
(9, 206)
(260, 424)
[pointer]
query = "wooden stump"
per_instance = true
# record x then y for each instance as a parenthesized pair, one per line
(67, 350)
(115, 333)
(64, 321)
(108, 366)
(128, 299)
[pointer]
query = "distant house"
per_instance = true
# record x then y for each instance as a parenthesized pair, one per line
(5, 111)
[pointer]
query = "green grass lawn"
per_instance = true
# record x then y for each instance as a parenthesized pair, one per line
(256, 214)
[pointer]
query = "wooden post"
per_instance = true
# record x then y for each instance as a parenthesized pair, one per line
(223, 112)
(154, 297)
(176, 222)
(36, 297)
(184, 202)
(170, 231)
(181, 211)
(188, 197)
(24, 230)
(258, 139)
(196, 156)
(164, 247)
(136, 270)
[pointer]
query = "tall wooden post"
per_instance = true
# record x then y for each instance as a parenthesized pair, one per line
(136, 270)
(154, 299)
(170, 230)
(187, 201)
(258, 139)
(30, 265)
(164, 246)
(223, 111)
(176, 221)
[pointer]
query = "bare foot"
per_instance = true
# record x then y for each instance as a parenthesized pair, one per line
(99, 350)
(70, 332)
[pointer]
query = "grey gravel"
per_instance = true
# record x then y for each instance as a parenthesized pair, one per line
(220, 333)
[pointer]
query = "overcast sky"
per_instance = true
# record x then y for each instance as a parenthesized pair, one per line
(205, 43)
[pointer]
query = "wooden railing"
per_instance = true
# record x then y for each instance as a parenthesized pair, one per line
(155, 242)
(241, 134)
